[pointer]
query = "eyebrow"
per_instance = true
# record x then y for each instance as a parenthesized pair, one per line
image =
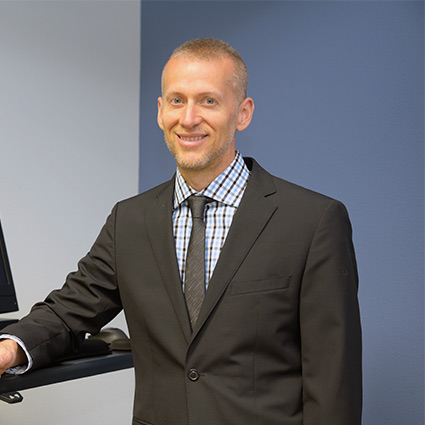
(202, 94)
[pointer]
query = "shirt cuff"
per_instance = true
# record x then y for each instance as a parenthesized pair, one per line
(18, 370)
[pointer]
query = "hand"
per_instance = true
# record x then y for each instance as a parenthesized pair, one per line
(11, 354)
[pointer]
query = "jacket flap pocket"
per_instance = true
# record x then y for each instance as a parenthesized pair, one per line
(260, 285)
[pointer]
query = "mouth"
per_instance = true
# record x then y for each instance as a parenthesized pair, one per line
(191, 140)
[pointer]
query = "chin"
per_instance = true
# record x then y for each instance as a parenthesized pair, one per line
(191, 160)
(203, 158)
(194, 164)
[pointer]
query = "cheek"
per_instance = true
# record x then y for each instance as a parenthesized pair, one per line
(169, 120)
(165, 124)
(224, 124)
(229, 127)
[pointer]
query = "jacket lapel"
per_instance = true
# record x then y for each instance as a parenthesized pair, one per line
(159, 227)
(252, 216)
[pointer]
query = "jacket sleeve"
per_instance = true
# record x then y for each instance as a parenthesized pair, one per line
(87, 301)
(330, 325)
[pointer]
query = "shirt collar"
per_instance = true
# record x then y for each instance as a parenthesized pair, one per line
(226, 188)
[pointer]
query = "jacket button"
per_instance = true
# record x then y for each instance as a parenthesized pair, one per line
(193, 375)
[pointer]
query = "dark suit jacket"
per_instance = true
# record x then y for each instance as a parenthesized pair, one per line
(278, 338)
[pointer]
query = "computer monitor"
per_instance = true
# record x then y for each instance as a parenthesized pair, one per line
(8, 301)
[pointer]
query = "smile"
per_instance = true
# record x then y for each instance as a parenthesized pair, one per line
(191, 139)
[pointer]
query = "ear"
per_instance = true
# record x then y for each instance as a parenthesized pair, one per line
(246, 109)
(159, 116)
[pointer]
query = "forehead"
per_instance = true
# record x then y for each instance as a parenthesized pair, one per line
(185, 73)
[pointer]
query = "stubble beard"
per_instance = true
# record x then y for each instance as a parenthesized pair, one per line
(202, 161)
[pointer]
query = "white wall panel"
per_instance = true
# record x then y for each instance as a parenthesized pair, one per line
(69, 104)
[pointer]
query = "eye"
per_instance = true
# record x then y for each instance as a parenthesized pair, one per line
(176, 101)
(209, 101)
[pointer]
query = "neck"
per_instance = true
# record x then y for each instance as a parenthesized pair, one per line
(200, 179)
(197, 180)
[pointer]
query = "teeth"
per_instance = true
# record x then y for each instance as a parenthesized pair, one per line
(191, 139)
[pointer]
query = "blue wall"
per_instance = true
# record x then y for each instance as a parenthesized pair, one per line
(339, 94)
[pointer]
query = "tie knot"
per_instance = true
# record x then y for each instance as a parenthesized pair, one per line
(197, 205)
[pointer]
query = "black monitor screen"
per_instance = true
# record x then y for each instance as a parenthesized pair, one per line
(3, 278)
(8, 300)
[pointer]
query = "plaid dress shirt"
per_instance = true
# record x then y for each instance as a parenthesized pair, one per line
(226, 191)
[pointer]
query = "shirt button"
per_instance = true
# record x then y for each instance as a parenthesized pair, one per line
(193, 375)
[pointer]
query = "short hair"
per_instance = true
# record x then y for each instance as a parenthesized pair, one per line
(211, 48)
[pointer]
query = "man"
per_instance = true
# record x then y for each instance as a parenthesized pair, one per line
(273, 336)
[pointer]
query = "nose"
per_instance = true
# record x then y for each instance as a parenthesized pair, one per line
(190, 117)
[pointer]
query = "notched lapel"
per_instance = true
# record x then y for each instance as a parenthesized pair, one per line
(159, 227)
(252, 216)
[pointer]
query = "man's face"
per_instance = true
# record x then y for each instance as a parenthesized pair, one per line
(199, 113)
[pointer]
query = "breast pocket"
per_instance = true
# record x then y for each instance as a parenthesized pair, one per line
(260, 285)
